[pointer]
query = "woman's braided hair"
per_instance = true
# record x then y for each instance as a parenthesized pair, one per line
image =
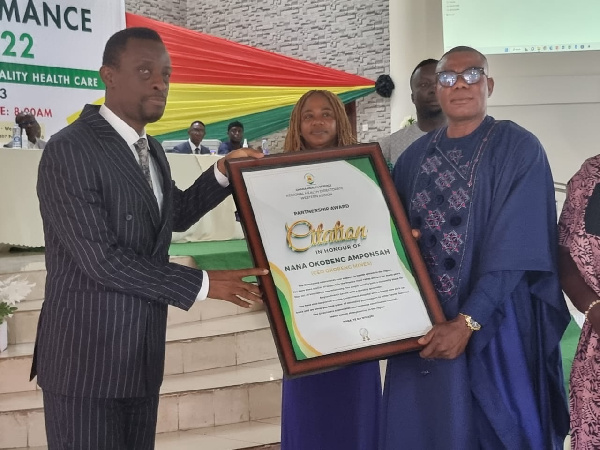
(293, 139)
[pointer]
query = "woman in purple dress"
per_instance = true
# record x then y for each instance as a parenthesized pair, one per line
(579, 257)
(339, 409)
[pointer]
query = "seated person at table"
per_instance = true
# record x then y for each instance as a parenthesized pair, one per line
(32, 129)
(338, 409)
(196, 133)
(235, 131)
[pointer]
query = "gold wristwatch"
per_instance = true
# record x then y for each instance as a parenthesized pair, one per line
(471, 323)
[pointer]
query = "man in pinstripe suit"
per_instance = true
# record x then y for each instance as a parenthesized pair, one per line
(109, 206)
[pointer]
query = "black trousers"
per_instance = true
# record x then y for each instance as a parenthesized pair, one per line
(80, 423)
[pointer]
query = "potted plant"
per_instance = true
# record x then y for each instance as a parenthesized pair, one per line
(12, 291)
(407, 121)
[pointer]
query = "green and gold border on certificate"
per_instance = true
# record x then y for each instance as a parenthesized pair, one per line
(346, 282)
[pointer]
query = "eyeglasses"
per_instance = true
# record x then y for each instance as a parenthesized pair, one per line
(27, 123)
(448, 78)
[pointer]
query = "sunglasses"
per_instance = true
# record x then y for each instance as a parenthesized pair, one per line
(448, 78)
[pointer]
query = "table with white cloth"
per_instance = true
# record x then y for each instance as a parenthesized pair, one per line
(21, 223)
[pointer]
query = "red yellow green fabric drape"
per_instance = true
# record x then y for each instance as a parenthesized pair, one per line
(218, 81)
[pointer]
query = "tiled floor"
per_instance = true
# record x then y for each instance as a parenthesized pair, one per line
(22, 262)
(218, 326)
(225, 437)
(244, 435)
(255, 372)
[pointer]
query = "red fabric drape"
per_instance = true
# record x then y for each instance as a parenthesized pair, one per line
(199, 58)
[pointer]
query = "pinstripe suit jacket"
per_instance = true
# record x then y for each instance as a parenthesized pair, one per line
(102, 327)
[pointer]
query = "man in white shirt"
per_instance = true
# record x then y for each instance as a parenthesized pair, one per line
(196, 133)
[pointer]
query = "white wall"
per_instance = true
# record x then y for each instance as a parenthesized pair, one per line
(554, 95)
(412, 39)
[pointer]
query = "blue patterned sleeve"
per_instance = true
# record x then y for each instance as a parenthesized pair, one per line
(490, 291)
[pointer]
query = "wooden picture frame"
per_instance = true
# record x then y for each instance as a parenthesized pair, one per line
(267, 192)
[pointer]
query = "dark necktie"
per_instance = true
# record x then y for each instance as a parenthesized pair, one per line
(142, 148)
(197, 151)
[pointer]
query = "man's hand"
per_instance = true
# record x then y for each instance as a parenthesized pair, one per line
(594, 318)
(446, 340)
(239, 153)
(228, 285)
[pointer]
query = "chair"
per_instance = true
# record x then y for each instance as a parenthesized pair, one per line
(169, 145)
(212, 144)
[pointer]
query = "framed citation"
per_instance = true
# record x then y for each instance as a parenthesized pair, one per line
(347, 282)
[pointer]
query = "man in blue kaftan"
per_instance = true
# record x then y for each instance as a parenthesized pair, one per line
(481, 194)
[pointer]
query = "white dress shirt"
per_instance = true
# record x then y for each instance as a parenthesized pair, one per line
(130, 136)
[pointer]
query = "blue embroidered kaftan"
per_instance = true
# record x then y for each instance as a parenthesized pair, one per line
(484, 204)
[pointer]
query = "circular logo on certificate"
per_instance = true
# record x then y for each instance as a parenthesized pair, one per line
(310, 179)
(364, 333)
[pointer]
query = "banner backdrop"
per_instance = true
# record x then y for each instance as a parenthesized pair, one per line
(218, 81)
(50, 53)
